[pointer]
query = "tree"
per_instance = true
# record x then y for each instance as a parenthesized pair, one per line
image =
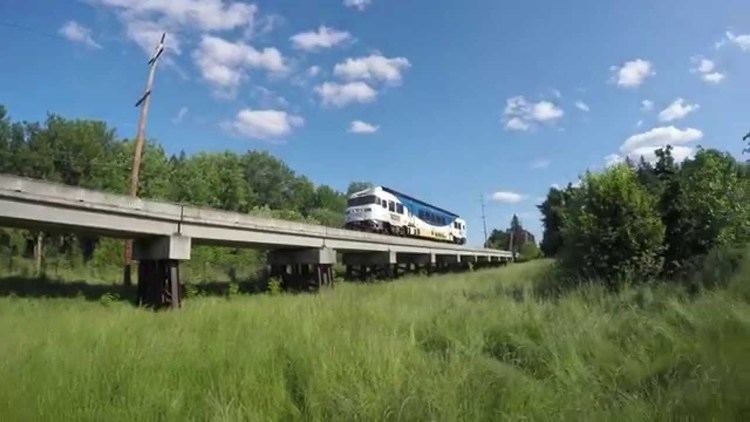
(498, 239)
(327, 198)
(552, 219)
(358, 186)
(707, 204)
(327, 217)
(528, 252)
(274, 184)
(5, 140)
(612, 230)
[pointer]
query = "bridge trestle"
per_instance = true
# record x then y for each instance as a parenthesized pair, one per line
(159, 270)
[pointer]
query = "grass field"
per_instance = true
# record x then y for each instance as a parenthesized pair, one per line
(453, 347)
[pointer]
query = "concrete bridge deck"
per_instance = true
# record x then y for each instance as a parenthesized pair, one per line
(165, 231)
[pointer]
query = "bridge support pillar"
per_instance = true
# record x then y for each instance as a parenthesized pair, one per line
(446, 263)
(368, 265)
(159, 270)
(421, 261)
(309, 267)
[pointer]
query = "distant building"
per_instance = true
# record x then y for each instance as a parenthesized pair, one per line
(521, 236)
(512, 238)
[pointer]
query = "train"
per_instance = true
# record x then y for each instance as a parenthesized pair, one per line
(383, 210)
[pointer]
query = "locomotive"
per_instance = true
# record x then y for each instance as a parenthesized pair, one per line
(383, 210)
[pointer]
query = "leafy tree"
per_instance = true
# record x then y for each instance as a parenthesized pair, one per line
(528, 252)
(552, 210)
(612, 228)
(327, 217)
(358, 186)
(273, 182)
(327, 198)
(212, 180)
(706, 205)
(498, 239)
(5, 140)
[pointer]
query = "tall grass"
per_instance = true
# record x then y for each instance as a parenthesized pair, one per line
(451, 347)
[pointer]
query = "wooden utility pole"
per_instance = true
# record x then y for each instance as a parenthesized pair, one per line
(143, 103)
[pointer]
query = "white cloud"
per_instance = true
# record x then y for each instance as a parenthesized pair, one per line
(660, 137)
(647, 105)
(266, 98)
(206, 15)
(582, 106)
(677, 110)
(742, 41)
(263, 124)
(541, 163)
(373, 67)
(324, 37)
(707, 70)
(648, 153)
(545, 111)
(146, 20)
(339, 95)
(507, 197)
(225, 65)
(180, 115)
(713, 77)
(147, 35)
(313, 71)
(360, 127)
(613, 159)
(633, 73)
(679, 153)
(644, 145)
(77, 33)
(705, 65)
(520, 114)
(357, 4)
(517, 124)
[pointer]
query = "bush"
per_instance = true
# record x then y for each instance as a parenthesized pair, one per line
(706, 206)
(528, 251)
(275, 286)
(612, 230)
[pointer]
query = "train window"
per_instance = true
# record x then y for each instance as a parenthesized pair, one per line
(361, 200)
(399, 208)
(384, 204)
(391, 206)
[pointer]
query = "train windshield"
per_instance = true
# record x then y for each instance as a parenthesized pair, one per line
(361, 200)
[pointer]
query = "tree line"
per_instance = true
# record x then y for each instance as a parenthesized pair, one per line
(515, 239)
(640, 221)
(88, 153)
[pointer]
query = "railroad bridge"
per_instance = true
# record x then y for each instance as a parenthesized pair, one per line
(164, 232)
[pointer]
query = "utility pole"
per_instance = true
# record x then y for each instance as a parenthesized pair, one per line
(143, 103)
(484, 220)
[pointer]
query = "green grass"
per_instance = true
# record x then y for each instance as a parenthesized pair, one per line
(452, 347)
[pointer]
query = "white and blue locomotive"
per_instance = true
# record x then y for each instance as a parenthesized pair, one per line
(384, 210)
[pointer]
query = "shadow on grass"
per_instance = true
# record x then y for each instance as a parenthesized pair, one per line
(47, 288)
(31, 287)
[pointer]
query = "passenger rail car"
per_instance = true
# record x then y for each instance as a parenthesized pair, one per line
(384, 210)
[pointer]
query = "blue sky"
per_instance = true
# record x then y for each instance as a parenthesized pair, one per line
(461, 99)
